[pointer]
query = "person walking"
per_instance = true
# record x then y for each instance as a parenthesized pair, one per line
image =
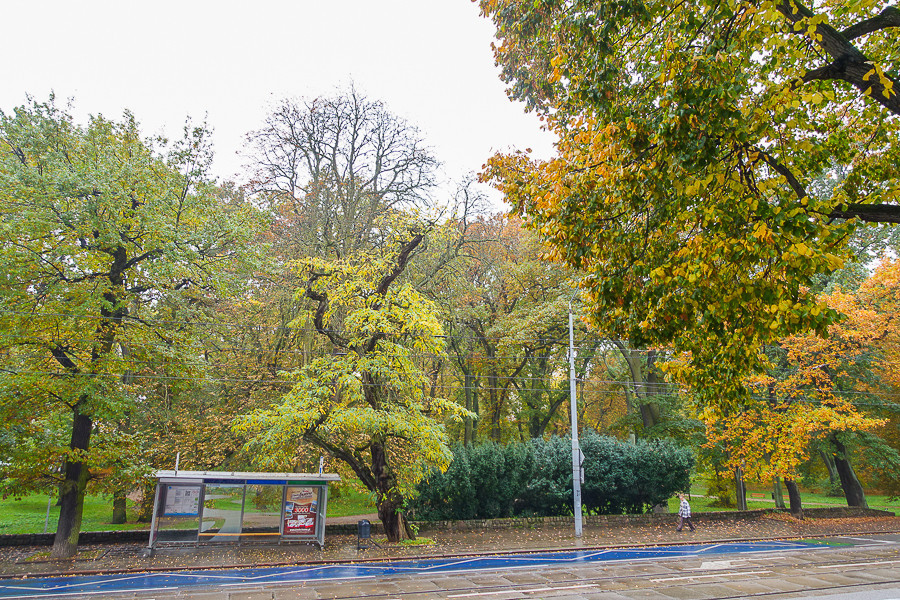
(684, 514)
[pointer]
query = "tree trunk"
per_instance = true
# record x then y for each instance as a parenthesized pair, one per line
(71, 500)
(407, 528)
(650, 411)
(496, 408)
(853, 489)
(777, 493)
(388, 499)
(644, 387)
(834, 479)
(148, 497)
(469, 437)
(740, 490)
(389, 512)
(794, 498)
(119, 514)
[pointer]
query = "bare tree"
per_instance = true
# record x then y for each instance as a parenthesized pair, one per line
(329, 166)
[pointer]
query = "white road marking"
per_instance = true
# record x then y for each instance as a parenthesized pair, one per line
(528, 591)
(858, 564)
(717, 564)
(252, 583)
(704, 576)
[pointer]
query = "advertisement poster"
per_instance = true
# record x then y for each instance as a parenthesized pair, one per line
(300, 510)
(182, 501)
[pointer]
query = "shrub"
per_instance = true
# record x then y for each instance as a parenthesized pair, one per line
(483, 482)
(535, 478)
(549, 489)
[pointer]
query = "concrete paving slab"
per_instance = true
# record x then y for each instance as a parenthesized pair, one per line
(645, 595)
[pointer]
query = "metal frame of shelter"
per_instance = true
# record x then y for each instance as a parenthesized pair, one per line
(199, 507)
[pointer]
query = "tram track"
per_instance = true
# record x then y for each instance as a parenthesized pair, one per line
(584, 584)
(874, 565)
(683, 578)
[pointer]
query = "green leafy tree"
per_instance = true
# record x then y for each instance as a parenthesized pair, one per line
(690, 135)
(365, 404)
(109, 251)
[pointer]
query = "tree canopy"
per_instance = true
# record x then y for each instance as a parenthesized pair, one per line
(691, 136)
(110, 250)
(367, 403)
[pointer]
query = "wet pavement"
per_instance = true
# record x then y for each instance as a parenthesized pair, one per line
(32, 561)
(316, 575)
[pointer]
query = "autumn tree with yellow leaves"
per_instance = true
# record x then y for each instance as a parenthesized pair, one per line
(690, 135)
(367, 403)
(854, 372)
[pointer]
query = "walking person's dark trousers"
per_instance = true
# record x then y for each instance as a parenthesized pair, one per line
(682, 521)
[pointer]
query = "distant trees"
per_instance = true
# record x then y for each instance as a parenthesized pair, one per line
(340, 310)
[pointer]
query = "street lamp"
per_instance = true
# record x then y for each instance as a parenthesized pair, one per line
(576, 449)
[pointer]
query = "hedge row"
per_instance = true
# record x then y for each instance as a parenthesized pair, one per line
(490, 481)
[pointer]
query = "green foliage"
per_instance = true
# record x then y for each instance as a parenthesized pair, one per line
(721, 490)
(622, 477)
(483, 481)
(881, 461)
(549, 489)
(111, 248)
(535, 478)
(694, 138)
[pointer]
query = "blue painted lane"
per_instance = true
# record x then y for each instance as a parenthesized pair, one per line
(105, 584)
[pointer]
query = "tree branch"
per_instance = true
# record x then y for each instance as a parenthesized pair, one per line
(402, 260)
(889, 17)
(870, 213)
(849, 63)
(321, 309)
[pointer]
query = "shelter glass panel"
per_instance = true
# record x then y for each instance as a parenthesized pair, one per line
(262, 512)
(178, 513)
(223, 504)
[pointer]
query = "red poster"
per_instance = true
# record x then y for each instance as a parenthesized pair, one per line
(300, 510)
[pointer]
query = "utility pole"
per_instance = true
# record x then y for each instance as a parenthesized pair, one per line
(576, 448)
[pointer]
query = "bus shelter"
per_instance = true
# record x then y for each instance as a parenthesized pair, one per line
(199, 507)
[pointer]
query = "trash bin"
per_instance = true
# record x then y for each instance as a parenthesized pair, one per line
(364, 534)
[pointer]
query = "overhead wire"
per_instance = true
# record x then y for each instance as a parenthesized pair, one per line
(562, 338)
(605, 347)
(613, 386)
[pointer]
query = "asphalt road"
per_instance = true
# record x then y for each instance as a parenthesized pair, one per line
(851, 568)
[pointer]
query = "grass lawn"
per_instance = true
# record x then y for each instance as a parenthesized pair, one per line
(763, 499)
(350, 503)
(27, 515)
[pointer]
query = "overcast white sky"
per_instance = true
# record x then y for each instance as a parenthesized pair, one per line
(429, 60)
